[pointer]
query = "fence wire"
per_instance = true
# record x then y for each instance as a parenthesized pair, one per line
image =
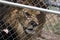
(17, 23)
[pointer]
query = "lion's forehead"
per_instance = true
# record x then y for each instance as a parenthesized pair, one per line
(29, 19)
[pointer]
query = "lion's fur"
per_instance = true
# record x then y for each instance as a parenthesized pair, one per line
(16, 17)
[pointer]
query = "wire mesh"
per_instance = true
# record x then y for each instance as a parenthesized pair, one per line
(27, 24)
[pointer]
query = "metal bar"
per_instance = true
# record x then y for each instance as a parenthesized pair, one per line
(30, 7)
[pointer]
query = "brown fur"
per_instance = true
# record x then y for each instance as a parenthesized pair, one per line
(16, 17)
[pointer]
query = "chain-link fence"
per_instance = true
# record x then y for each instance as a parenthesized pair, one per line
(29, 22)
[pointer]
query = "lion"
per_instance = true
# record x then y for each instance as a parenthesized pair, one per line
(24, 21)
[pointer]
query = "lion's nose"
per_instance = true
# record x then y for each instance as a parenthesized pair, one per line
(33, 23)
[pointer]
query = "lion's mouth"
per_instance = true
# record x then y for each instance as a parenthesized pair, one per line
(30, 29)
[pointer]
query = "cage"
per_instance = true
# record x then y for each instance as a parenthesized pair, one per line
(29, 20)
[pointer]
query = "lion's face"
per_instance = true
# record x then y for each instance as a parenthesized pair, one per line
(28, 19)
